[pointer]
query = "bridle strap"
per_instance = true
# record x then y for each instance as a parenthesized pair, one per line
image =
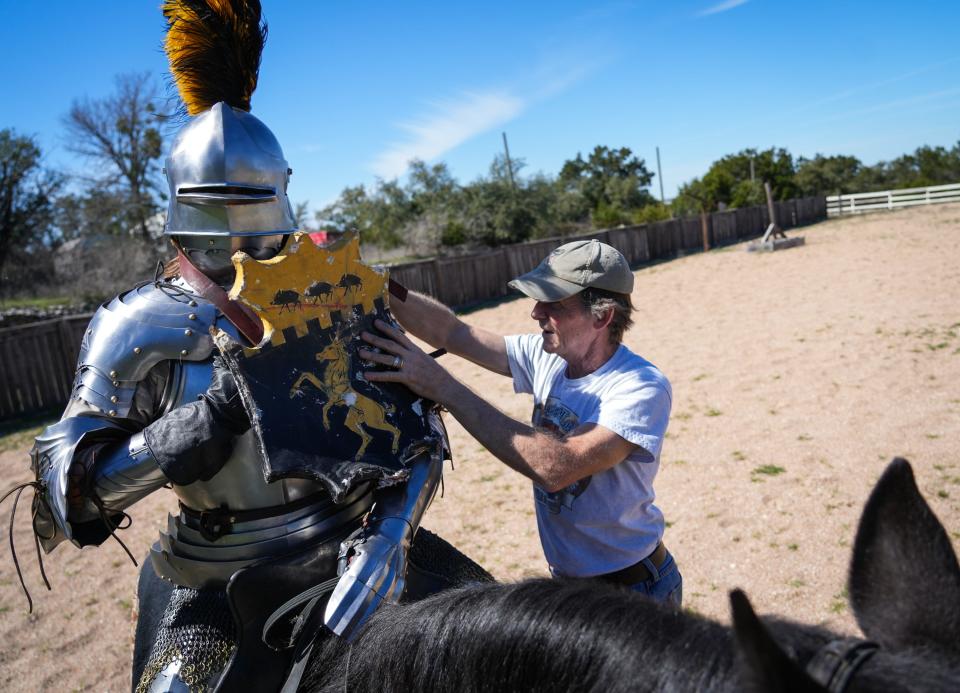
(241, 316)
(835, 664)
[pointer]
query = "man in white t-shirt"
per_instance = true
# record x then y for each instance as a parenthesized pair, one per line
(600, 412)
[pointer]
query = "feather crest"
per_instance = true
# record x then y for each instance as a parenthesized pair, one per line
(214, 49)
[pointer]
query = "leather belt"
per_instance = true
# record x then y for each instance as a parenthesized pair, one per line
(638, 572)
(216, 522)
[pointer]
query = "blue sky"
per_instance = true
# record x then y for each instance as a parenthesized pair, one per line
(353, 90)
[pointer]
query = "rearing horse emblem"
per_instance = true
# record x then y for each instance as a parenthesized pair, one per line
(312, 413)
(363, 413)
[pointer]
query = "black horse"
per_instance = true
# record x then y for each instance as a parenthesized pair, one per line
(548, 635)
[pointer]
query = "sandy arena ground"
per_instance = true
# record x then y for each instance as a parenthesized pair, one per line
(797, 376)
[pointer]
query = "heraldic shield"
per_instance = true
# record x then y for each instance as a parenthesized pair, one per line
(313, 413)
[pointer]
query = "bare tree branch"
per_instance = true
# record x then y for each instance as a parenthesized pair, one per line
(120, 136)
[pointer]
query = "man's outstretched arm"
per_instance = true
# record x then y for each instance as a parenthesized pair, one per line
(551, 462)
(437, 325)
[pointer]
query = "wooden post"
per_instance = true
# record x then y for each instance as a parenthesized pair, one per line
(770, 208)
(773, 229)
(663, 200)
(506, 152)
(706, 232)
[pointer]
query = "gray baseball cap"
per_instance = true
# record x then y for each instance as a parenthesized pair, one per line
(573, 267)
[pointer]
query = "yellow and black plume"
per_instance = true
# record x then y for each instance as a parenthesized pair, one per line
(214, 49)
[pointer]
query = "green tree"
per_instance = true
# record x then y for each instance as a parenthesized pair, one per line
(120, 135)
(827, 175)
(27, 193)
(613, 183)
(651, 213)
(493, 213)
(729, 181)
(926, 166)
(430, 189)
(378, 216)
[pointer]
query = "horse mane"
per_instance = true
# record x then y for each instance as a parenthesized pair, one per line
(583, 635)
(535, 635)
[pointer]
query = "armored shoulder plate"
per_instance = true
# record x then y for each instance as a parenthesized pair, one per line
(134, 332)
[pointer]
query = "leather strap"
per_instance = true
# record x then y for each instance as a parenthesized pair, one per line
(835, 664)
(397, 289)
(240, 315)
(216, 522)
(220, 521)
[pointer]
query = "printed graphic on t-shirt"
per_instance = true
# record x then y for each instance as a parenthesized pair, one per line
(555, 417)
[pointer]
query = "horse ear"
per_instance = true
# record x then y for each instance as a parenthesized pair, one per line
(904, 579)
(764, 666)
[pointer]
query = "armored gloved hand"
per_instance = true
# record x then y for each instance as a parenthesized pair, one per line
(192, 442)
(372, 566)
(223, 398)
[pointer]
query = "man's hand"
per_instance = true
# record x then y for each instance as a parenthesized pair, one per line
(405, 363)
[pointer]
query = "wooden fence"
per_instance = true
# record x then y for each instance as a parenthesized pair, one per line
(37, 361)
(859, 203)
(469, 279)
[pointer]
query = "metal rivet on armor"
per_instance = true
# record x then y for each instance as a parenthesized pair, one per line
(116, 383)
(183, 352)
(192, 304)
(114, 399)
(189, 333)
(192, 316)
(112, 412)
(137, 350)
(113, 374)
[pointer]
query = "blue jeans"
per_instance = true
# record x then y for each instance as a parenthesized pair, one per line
(665, 586)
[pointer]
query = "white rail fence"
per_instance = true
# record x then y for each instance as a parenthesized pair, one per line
(858, 203)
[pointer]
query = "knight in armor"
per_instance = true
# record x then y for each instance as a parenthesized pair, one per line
(154, 405)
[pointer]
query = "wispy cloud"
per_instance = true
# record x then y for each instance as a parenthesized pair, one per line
(873, 85)
(450, 123)
(562, 58)
(721, 7)
(895, 105)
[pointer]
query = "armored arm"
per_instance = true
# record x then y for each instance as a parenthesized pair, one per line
(131, 373)
(373, 561)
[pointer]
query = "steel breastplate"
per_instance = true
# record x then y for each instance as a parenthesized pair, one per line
(240, 483)
(187, 557)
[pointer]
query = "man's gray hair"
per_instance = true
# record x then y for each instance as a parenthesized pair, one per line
(599, 301)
